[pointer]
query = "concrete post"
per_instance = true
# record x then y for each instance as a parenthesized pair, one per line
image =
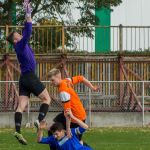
(120, 39)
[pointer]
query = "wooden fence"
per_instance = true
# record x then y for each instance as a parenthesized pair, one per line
(93, 67)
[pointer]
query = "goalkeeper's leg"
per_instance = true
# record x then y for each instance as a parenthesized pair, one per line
(45, 98)
(23, 101)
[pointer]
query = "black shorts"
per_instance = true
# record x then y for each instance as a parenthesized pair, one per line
(62, 119)
(30, 83)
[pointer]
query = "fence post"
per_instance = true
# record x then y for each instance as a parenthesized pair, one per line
(63, 39)
(120, 39)
(120, 61)
(143, 108)
(7, 31)
(89, 111)
(28, 111)
(121, 78)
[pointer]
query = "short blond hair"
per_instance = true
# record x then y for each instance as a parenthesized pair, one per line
(53, 72)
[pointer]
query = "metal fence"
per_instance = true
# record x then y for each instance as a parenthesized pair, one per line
(56, 39)
(113, 96)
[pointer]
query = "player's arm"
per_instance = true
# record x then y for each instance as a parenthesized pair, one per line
(29, 19)
(28, 9)
(82, 79)
(78, 121)
(44, 140)
(68, 122)
(65, 98)
(89, 84)
(40, 138)
(27, 31)
(43, 125)
(67, 106)
(39, 135)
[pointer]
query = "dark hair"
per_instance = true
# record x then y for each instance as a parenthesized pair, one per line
(10, 37)
(56, 127)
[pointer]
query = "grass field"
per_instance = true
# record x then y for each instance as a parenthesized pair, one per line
(99, 139)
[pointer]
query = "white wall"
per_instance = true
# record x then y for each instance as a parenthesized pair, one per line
(132, 12)
(98, 119)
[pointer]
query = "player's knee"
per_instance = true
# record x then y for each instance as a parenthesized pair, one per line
(20, 109)
(48, 100)
(45, 98)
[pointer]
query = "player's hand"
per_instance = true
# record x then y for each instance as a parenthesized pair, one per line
(95, 88)
(27, 7)
(26, 1)
(68, 113)
(68, 132)
(43, 124)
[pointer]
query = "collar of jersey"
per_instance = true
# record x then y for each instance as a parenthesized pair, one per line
(63, 140)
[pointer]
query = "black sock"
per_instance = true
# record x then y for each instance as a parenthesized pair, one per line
(18, 119)
(43, 112)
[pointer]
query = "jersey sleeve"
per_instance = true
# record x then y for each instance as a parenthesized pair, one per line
(67, 106)
(77, 79)
(65, 98)
(78, 131)
(47, 140)
(27, 31)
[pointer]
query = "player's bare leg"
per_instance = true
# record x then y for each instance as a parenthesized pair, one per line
(23, 101)
(45, 98)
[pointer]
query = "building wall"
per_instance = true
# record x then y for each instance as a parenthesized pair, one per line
(131, 13)
(98, 119)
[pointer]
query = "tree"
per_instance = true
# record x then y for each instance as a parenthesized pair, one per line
(48, 39)
(61, 10)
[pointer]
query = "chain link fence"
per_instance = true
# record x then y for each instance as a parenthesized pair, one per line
(113, 96)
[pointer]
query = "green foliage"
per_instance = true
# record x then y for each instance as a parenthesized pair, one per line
(107, 3)
(49, 36)
(56, 12)
(56, 9)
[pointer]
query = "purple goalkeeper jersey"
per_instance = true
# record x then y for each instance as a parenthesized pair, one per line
(24, 52)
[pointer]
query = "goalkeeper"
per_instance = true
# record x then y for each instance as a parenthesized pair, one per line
(28, 82)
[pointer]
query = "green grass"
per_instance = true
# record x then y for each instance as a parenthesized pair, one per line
(99, 139)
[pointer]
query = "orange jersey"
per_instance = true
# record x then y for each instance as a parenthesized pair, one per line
(69, 97)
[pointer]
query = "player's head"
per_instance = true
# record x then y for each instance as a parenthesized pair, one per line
(58, 131)
(55, 76)
(14, 37)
